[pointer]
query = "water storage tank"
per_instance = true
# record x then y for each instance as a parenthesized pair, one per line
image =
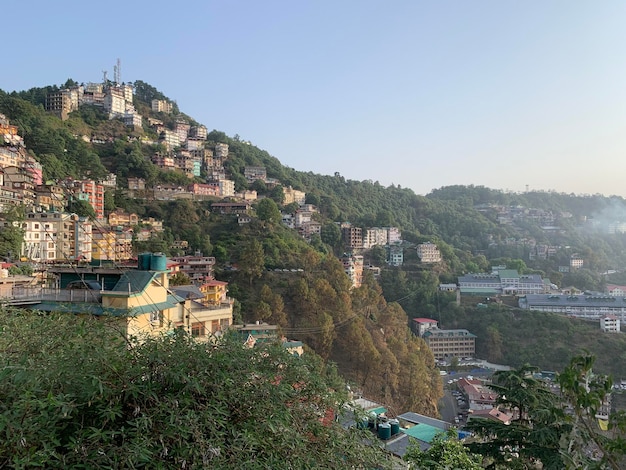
(143, 261)
(395, 426)
(371, 422)
(384, 431)
(158, 262)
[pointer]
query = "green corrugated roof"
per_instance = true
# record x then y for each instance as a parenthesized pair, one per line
(79, 307)
(423, 432)
(508, 274)
(378, 411)
(171, 302)
(137, 280)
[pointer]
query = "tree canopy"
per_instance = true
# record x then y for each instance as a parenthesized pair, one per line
(73, 394)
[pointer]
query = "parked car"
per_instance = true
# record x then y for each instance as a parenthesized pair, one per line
(84, 284)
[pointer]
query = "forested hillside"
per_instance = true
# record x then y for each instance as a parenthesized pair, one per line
(363, 330)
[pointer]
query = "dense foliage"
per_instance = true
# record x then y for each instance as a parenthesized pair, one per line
(73, 394)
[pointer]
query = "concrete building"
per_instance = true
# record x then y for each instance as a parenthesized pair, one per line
(428, 253)
(293, 195)
(197, 267)
(419, 326)
(610, 324)
(502, 281)
(577, 305)
(162, 106)
(446, 344)
(56, 237)
(396, 255)
(351, 236)
(353, 266)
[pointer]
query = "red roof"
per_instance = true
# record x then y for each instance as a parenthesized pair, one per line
(424, 320)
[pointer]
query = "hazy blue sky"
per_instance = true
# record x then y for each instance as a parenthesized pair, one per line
(423, 94)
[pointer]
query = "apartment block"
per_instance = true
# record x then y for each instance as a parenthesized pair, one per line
(428, 253)
(293, 195)
(450, 343)
(352, 236)
(162, 106)
(56, 237)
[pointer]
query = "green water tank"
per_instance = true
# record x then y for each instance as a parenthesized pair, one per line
(395, 426)
(384, 431)
(158, 262)
(143, 261)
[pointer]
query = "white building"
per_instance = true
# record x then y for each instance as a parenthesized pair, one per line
(227, 188)
(428, 253)
(610, 324)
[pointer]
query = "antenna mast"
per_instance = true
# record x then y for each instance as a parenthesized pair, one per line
(118, 72)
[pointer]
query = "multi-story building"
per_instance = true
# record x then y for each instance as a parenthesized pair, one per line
(203, 190)
(198, 132)
(352, 236)
(374, 236)
(93, 193)
(21, 181)
(227, 187)
(103, 244)
(610, 323)
(163, 161)
(9, 157)
(353, 266)
(122, 218)
(293, 195)
(615, 290)
(503, 281)
(253, 173)
(221, 152)
(182, 129)
(590, 307)
(50, 197)
(56, 237)
(170, 139)
(115, 102)
(309, 228)
(428, 253)
(450, 343)
(136, 184)
(123, 243)
(396, 255)
(215, 292)
(576, 262)
(194, 143)
(162, 106)
(197, 267)
(61, 103)
(301, 218)
(419, 326)
(132, 119)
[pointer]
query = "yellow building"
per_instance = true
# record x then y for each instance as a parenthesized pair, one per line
(214, 292)
(103, 244)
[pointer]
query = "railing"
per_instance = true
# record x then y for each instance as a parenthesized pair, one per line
(43, 294)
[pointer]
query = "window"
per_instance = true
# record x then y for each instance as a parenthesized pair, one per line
(155, 317)
(198, 329)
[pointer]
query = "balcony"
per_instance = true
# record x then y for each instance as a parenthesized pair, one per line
(33, 295)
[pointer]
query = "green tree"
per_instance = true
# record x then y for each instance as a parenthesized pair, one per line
(75, 395)
(331, 234)
(251, 260)
(267, 210)
(445, 452)
(81, 208)
(180, 279)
